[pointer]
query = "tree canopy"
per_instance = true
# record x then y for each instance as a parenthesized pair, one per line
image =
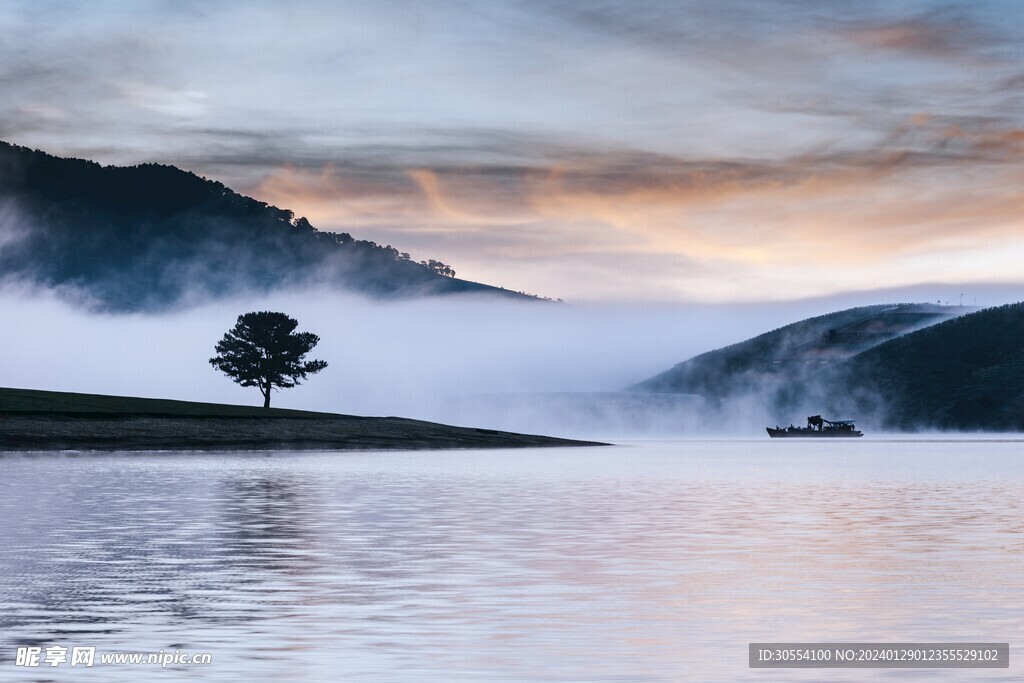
(263, 350)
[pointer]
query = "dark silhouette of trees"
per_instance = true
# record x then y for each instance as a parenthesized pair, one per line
(964, 374)
(263, 350)
(155, 237)
(438, 267)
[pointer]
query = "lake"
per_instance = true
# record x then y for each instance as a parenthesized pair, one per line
(650, 561)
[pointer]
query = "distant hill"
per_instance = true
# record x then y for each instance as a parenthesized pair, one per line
(775, 365)
(963, 374)
(905, 367)
(153, 236)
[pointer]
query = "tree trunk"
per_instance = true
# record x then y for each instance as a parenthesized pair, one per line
(266, 398)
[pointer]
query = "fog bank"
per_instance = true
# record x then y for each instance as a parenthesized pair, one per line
(427, 358)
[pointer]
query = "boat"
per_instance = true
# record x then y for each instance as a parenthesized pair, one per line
(817, 426)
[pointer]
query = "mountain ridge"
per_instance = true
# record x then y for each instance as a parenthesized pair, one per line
(957, 369)
(154, 236)
(964, 374)
(813, 342)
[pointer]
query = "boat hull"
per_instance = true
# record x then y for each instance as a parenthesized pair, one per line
(811, 433)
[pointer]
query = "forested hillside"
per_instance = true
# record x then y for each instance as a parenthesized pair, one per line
(905, 367)
(152, 236)
(964, 374)
(775, 360)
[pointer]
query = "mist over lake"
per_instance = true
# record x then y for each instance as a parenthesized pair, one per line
(423, 358)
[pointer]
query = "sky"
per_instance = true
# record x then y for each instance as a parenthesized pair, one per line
(580, 149)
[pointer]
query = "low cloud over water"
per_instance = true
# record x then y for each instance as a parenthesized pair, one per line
(425, 358)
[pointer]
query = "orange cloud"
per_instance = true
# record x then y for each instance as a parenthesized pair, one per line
(928, 35)
(333, 199)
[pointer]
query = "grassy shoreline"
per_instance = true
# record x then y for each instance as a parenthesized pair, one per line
(34, 420)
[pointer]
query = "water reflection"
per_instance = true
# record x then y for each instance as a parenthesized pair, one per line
(655, 562)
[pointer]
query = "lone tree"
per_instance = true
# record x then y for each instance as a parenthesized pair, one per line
(264, 350)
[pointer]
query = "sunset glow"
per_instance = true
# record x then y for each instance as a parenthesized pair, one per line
(641, 150)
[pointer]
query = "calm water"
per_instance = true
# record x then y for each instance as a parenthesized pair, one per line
(645, 562)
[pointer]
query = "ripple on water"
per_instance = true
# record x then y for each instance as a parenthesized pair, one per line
(652, 562)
